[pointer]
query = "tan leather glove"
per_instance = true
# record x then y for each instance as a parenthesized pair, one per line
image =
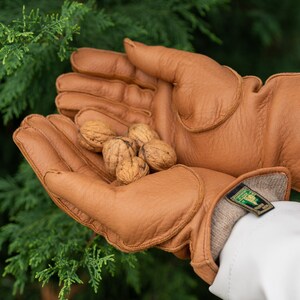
(212, 116)
(171, 209)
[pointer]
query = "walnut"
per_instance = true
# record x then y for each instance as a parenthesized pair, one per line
(142, 133)
(116, 150)
(131, 169)
(93, 134)
(158, 155)
(82, 142)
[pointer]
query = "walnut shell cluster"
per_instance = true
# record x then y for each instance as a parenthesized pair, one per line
(131, 157)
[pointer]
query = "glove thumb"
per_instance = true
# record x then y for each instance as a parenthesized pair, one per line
(158, 61)
(79, 190)
(140, 215)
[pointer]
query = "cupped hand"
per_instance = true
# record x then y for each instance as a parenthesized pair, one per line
(175, 92)
(213, 117)
(131, 218)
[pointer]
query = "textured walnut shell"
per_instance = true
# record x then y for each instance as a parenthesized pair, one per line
(158, 155)
(82, 142)
(93, 134)
(142, 133)
(116, 150)
(131, 169)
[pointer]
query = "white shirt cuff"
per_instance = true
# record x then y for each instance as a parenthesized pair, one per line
(260, 260)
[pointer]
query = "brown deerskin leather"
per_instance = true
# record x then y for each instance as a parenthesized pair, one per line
(213, 117)
(171, 209)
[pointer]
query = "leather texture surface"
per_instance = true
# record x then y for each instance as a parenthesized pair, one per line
(170, 209)
(212, 116)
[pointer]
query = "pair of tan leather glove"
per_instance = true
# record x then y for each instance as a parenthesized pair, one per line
(218, 122)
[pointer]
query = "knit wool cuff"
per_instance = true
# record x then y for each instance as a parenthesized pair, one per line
(225, 215)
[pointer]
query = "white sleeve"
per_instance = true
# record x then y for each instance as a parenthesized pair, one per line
(261, 258)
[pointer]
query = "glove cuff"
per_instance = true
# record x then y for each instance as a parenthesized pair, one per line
(272, 184)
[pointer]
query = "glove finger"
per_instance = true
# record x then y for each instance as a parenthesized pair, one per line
(136, 216)
(42, 157)
(69, 103)
(65, 150)
(38, 151)
(117, 123)
(68, 129)
(91, 113)
(111, 90)
(111, 65)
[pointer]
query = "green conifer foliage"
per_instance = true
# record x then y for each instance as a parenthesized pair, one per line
(258, 37)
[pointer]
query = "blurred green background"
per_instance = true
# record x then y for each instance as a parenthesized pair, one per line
(38, 243)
